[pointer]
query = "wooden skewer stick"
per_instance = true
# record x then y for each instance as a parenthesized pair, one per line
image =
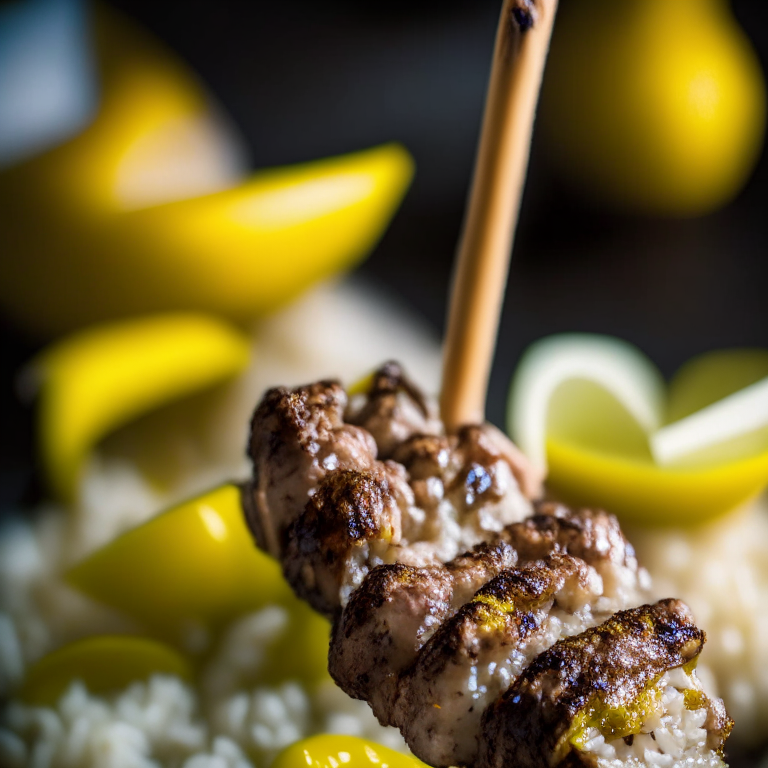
(480, 277)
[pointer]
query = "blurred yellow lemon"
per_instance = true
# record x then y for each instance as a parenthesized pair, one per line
(598, 449)
(98, 379)
(193, 567)
(147, 209)
(656, 105)
(330, 751)
(103, 663)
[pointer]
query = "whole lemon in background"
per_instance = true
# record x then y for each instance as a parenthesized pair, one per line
(654, 105)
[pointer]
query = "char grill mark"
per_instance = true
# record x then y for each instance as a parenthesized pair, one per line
(605, 668)
(475, 654)
(394, 410)
(350, 520)
(328, 501)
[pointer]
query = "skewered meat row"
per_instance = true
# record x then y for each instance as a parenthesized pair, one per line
(491, 628)
(331, 506)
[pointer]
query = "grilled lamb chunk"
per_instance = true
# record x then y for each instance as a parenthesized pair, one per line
(382, 628)
(393, 613)
(604, 677)
(348, 526)
(440, 496)
(393, 410)
(593, 535)
(296, 438)
(478, 652)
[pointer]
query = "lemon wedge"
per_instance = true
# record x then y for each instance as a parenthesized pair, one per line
(103, 663)
(97, 380)
(598, 445)
(611, 365)
(330, 751)
(193, 567)
(149, 209)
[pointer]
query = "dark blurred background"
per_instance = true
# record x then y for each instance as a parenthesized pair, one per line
(304, 80)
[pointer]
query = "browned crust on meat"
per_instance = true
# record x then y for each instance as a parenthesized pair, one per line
(382, 629)
(394, 409)
(349, 509)
(616, 662)
(591, 534)
(501, 617)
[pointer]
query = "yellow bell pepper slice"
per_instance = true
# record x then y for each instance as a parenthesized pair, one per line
(194, 566)
(83, 242)
(99, 379)
(331, 751)
(599, 454)
(103, 663)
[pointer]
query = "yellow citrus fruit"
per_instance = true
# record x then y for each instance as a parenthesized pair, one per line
(656, 105)
(330, 751)
(97, 380)
(195, 567)
(103, 663)
(192, 566)
(145, 211)
(601, 413)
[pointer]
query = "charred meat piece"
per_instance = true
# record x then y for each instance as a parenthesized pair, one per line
(476, 654)
(296, 438)
(392, 615)
(593, 535)
(439, 496)
(383, 626)
(393, 410)
(590, 692)
(349, 523)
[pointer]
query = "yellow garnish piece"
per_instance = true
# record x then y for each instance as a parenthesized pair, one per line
(193, 566)
(99, 379)
(329, 751)
(146, 211)
(104, 663)
(361, 386)
(598, 449)
(613, 722)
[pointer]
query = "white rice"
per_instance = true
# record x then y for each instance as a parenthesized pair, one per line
(226, 720)
(223, 721)
(721, 571)
(673, 737)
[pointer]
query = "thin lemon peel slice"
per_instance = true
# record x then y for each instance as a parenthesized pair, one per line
(104, 663)
(192, 568)
(713, 400)
(99, 379)
(599, 454)
(614, 365)
(333, 751)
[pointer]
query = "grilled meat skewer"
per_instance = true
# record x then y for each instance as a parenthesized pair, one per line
(491, 628)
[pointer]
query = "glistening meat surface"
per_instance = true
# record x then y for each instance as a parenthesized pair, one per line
(451, 589)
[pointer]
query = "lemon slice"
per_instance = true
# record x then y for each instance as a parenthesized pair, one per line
(97, 380)
(598, 448)
(613, 366)
(193, 567)
(330, 751)
(103, 663)
(714, 400)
